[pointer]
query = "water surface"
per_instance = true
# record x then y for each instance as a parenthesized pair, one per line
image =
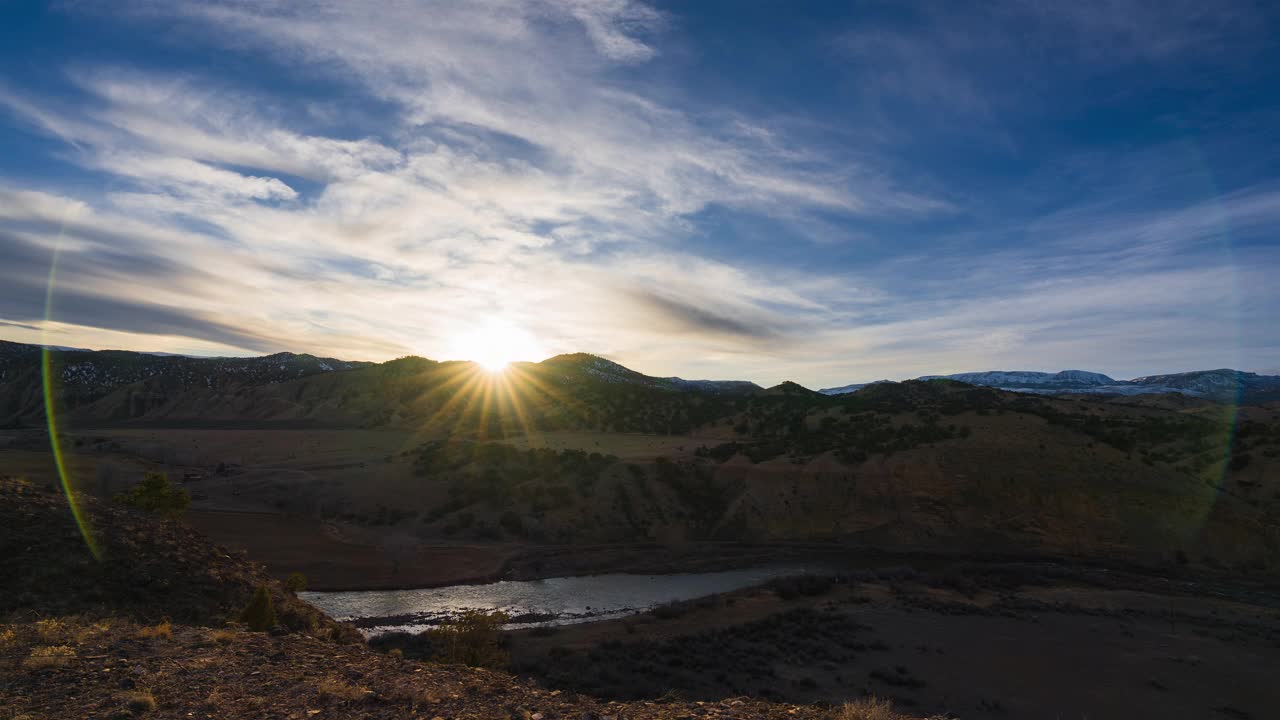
(553, 601)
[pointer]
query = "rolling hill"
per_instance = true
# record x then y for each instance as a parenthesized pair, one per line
(579, 450)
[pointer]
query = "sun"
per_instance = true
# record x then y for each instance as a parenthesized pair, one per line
(495, 345)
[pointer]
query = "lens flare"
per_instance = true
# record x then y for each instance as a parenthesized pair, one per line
(51, 406)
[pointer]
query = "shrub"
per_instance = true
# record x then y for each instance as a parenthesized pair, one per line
(471, 639)
(259, 614)
(156, 495)
(296, 582)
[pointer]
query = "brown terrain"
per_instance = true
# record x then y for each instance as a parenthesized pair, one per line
(92, 638)
(995, 554)
(987, 641)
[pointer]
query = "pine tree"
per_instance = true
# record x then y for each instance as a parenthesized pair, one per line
(260, 614)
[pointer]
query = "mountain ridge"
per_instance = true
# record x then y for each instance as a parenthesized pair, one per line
(1221, 385)
(118, 385)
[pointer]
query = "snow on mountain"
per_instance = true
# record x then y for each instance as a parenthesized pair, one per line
(1223, 385)
(846, 389)
(1029, 378)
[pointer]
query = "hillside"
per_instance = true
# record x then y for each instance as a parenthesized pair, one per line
(580, 450)
(87, 638)
(146, 569)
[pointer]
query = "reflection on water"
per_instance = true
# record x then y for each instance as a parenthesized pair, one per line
(553, 601)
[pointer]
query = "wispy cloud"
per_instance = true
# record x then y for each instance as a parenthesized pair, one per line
(516, 159)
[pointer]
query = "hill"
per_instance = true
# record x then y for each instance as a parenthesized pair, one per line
(75, 639)
(580, 450)
(145, 570)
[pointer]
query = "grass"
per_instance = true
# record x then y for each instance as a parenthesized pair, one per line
(51, 656)
(220, 637)
(151, 632)
(868, 708)
(333, 689)
(138, 700)
(51, 630)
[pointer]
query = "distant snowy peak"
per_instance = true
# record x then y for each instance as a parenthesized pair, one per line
(1029, 378)
(846, 389)
(1223, 385)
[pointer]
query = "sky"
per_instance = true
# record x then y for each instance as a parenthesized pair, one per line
(823, 192)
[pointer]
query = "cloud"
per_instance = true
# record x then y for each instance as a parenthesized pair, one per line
(671, 314)
(464, 161)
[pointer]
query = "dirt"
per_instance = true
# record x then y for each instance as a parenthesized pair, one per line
(1060, 650)
(113, 671)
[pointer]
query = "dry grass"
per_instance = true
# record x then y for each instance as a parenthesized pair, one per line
(73, 630)
(151, 632)
(416, 695)
(868, 708)
(214, 700)
(54, 656)
(8, 636)
(332, 688)
(220, 637)
(51, 630)
(138, 700)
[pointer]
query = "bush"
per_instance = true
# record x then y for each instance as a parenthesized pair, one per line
(296, 583)
(156, 495)
(259, 614)
(472, 639)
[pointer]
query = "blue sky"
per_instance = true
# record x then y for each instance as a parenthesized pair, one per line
(829, 193)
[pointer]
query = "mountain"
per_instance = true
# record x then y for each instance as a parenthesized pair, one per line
(579, 449)
(119, 386)
(86, 376)
(1224, 385)
(845, 389)
(576, 390)
(1219, 385)
(608, 371)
